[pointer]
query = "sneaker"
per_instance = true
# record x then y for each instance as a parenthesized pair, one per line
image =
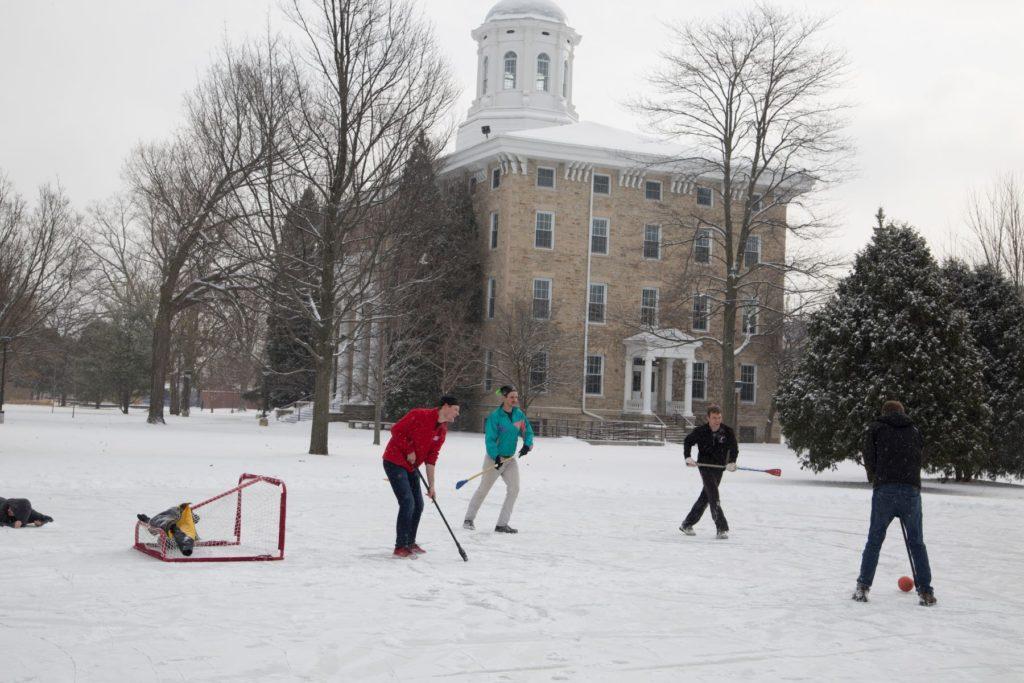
(722, 535)
(505, 529)
(403, 553)
(468, 524)
(688, 530)
(415, 548)
(861, 593)
(926, 599)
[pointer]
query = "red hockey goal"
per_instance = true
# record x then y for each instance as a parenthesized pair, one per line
(241, 525)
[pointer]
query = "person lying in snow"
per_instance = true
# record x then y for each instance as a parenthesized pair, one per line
(18, 512)
(179, 523)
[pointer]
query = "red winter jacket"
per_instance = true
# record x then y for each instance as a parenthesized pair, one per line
(418, 432)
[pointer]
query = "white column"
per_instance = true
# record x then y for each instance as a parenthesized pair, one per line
(648, 371)
(666, 382)
(688, 395)
(627, 382)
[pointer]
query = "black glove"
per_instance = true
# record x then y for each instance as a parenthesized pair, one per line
(497, 463)
(524, 450)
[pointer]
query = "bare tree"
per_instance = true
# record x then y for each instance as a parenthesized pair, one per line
(751, 96)
(996, 218)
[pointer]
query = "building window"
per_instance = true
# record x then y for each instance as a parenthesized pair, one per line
(491, 292)
(755, 202)
(652, 190)
(545, 177)
(494, 230)
(652, 241)
(488, 370)
(565, 78)
(699, 386)
(543, 72)
(701, 312)
(485, 76)
(649, 307)
(496, 178)
(595, 375)
(544, 234)
(752, 251)
(599, 236)
(702, 246)
(704, 196)
(750, 316)
(595, 309)
(602, 184)
(541, 299)
(510, 71)
(539, 373)
(748, 383)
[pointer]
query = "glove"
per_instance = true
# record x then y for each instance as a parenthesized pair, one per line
(524, 450)
(690, 462)
(731, 467)
(497, 463)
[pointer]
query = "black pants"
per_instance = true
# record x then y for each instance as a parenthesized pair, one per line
(406, 486)
(709, 496)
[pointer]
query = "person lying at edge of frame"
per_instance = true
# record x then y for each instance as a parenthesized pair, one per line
(18, 512)
(179, 523)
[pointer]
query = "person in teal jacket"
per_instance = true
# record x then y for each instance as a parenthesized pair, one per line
(502, 431)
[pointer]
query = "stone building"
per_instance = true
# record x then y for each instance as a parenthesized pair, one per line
(600, 232)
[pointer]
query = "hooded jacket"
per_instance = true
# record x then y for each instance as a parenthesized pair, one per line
(21, 508)
(892, 451)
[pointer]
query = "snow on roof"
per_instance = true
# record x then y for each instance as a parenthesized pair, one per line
(544, 9)
(596, 135)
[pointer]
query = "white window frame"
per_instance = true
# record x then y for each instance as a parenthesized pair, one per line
(554, 173)
(533, 309)
(747, 250)
(753, 383)
(707, 235)
(607, 236)
(542, 81)
(536, 217)
(494, 230)
(505, 73)
(750, 313)
(756, 202)
(547, 366)
(657, 302)
(646, 187)
(604, 303)
(707, 313)
(587, 375)
(565, 79)
(593, 179)
(644, 253)
(496, 177)
(711, 197)
(492, 287)
(488, 370)
(704, 381)
(483, 89)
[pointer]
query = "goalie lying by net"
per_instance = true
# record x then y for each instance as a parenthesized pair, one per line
(179, 523)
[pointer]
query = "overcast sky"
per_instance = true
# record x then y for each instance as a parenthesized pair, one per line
(938, 99)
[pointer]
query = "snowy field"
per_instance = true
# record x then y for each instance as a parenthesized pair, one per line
(598, 585)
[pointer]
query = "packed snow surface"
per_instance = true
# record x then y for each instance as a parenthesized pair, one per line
(598, 585)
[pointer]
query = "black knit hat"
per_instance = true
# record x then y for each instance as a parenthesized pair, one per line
(506, 390)
(447, 401)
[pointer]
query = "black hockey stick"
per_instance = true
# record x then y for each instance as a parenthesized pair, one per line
(906, 542)
(462, 552)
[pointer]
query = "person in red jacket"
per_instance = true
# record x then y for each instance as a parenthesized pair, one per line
(415, 439)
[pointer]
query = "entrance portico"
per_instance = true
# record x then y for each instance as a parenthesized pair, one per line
(650, 357)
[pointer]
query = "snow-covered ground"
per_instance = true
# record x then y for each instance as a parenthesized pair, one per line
(598, 585)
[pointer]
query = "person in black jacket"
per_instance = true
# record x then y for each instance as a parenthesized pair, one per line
(716, 445)
(18, 512)
(892, 458)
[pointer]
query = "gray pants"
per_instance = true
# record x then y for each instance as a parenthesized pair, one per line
(510, 473)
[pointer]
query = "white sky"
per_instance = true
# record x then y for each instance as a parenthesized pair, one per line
(938, 98)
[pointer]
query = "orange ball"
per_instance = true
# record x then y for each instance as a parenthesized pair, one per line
(906, 584)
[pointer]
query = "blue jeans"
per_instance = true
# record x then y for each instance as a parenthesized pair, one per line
(406, 486)
(887, 502)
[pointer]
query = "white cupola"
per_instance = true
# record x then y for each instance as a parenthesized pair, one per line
(524, 70)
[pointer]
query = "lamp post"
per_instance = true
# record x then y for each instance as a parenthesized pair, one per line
(3, 375)
(266, 398)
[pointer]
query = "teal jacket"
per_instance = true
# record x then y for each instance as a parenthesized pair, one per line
(502, 432)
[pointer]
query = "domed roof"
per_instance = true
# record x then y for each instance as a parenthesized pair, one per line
(544, 9)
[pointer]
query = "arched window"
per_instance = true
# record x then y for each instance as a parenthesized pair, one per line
(510, 71)
(565, 78)
(485, 76)
(543, 72)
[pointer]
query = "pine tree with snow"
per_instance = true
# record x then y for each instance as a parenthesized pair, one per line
(995, 310)
(891, 331)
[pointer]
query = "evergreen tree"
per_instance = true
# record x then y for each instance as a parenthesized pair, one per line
(995, 310)
(891, 331)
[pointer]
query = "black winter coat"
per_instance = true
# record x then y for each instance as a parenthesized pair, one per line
(892, 451)
(22, 510)
(713, 448)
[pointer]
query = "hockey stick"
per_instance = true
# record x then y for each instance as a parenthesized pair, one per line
(906, 542)
(460, 484)
(462, 552)
(775, 472)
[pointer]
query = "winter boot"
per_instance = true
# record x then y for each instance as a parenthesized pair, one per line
(415, 548)
(402, 553)
(722, 535)
(861, 593)
(184, 542)
(505, 529)
(688, 530)
(468, 524)
(926, 599)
